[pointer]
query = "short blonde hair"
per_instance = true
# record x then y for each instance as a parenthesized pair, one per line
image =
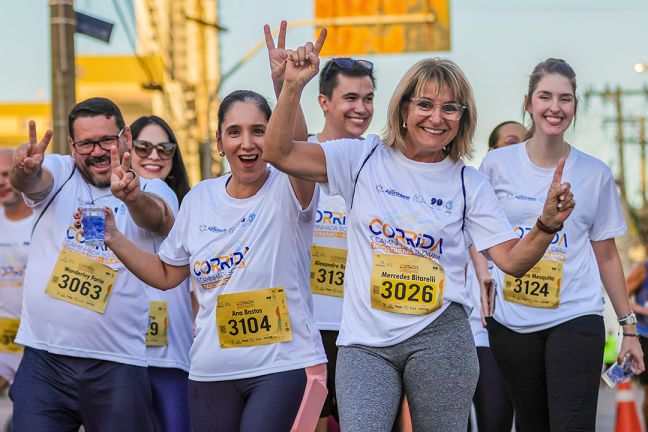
(442, 72)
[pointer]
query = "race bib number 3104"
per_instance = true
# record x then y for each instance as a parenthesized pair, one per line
(539, 287)
(253, 318)
(79, 280)
(406, 284)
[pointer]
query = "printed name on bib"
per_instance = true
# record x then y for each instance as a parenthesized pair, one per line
(253, 318)
(539, 287)
(79, 280)
(327, 271)
(8, 331)
(407, 284)
(158, 326)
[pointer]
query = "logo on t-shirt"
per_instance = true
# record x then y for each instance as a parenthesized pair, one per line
(214, 272)
(391, 192)
(399, 240)
(557, 248)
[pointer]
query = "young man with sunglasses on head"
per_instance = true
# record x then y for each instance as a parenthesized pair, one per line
(346, 97)
(84, 315)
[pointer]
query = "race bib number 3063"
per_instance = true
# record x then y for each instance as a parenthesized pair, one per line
(406, 284)
(253, 318)
(539, 287)
(327, 271)
(79, 280)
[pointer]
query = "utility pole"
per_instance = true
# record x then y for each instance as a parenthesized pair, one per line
(616, 96)
(62, 26)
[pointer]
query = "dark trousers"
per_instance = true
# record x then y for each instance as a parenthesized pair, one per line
(170, 399)
(492, 404)
(60, 393)
(552, 375)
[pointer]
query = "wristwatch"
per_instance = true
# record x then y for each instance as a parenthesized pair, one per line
(630, 319)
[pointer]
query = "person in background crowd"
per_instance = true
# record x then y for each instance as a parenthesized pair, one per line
(156, 154)
(506, 133)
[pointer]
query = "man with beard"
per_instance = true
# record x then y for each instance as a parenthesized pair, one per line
(84, 315)
(15, 230)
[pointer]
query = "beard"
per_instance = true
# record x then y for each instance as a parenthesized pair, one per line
(12, 200)
(89, 177)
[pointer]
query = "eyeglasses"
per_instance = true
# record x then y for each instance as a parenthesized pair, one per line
(107, 142)
(346, 63)
(164, 149)
(449, 111)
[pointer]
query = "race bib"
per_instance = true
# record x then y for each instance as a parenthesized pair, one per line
(158, 326)
(8, 331)
(406, 284)
(253, 318)
(327, 271)
(539, 287)
(79, 280)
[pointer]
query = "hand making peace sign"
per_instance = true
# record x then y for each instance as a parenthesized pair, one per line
(28, 158)
(124, 182)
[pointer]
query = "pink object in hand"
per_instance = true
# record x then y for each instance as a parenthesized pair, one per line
(313, 400)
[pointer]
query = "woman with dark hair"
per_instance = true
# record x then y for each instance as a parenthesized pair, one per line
(547, 333)
(155, 154)
(257, 361)
(507, 133)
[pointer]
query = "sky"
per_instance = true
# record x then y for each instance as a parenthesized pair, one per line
(496, 42)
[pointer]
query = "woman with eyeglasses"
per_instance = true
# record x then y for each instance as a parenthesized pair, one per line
(413, 209)
(155, 154)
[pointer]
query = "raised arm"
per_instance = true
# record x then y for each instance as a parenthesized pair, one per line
(27, 173)
(148, 267)
(300, 159)
(148, 210)
(516, 257)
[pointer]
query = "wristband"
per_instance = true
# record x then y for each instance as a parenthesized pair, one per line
(631, 334)
(630, 319)
(545, 229)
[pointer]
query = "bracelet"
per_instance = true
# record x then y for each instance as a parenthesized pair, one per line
(545, 229)
(631, 334)
(630, 319)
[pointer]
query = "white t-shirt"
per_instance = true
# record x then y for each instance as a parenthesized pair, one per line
(406, 207)
(239, 245)
(331, 232)
(521, 188)
(63, 328)
(14, 250)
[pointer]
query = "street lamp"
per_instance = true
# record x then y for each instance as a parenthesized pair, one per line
(641, 67)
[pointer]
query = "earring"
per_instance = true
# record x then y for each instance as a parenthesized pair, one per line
(221, 154)
(405, 125)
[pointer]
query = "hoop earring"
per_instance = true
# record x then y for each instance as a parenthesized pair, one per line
(405, 125)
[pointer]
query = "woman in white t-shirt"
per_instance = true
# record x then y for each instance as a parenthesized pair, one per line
(409, 198)
(257, 361)
(155, 154)
(547, 333)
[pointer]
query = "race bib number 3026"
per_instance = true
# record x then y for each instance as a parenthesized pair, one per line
(539, 287)
(406, 284)
(79, 280)
(253, 318)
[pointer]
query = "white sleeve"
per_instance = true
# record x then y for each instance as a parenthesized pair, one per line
(486, 222)
(61, 169)
(162, 190)
(608, 220)
(174, 249)
(343, 160)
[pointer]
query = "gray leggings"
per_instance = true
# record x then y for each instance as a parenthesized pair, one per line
(437, 368)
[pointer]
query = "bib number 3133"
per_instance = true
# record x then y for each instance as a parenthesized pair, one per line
(327, 271)
(539, 287)
(79, 280)
(253, 318)
(406, 284)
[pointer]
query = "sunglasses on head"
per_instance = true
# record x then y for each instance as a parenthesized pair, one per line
(144, 149)
(347, 63)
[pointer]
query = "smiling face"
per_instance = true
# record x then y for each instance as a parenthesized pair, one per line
(152, 166)
(350, 108)
(95, 167)
(552, 105)
(241, 138)
(429, 132)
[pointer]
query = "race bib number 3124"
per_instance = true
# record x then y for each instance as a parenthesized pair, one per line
(539, 287)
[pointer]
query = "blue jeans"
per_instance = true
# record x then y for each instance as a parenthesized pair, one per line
(53, 392)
